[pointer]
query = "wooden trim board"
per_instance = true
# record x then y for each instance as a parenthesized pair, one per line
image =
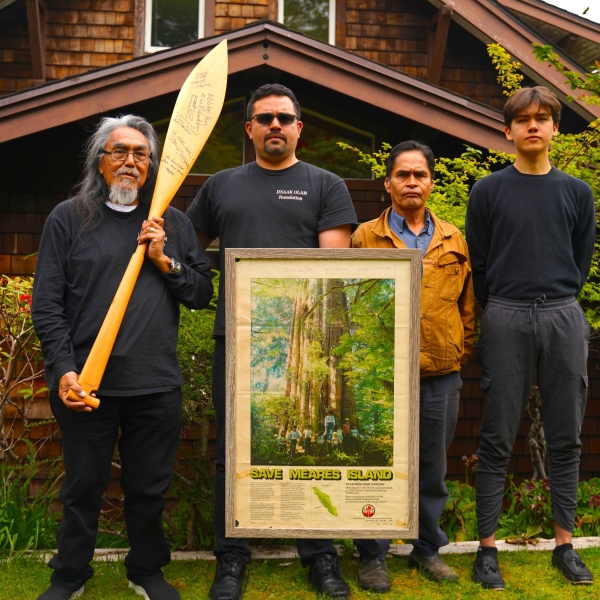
(286, 261)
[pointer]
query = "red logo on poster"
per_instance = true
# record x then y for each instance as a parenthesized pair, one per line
(368, 510)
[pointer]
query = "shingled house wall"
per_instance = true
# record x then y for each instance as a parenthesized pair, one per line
(29, 211)
(80, 35)
(233, 15)
(87, 34)
(394, 32)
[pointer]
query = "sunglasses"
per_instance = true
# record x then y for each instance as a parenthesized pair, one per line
(267, 118)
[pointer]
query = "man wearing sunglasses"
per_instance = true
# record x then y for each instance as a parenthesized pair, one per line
(275, 202)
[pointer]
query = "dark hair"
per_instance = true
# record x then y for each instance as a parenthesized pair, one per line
(271, 89)
(408, 146)
(525, 97)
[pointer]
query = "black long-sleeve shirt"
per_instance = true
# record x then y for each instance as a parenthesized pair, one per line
(530, 235)
(76, 279)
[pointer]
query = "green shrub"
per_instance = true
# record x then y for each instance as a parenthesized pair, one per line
(194, 351)
(190, 525)
(27, 522)
(529, 512)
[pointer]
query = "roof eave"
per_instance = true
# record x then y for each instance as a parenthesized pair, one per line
(491, 23)
(553, 15)
(110, 88)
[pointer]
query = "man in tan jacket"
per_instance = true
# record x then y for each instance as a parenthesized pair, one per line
(447, 331)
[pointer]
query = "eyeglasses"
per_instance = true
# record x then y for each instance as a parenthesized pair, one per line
(120, 155)
(284, 119)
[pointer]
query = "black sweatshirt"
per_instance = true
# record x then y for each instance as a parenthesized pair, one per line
(530, 235)
(76, 280)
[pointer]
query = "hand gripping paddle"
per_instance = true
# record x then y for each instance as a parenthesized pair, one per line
(196, 111)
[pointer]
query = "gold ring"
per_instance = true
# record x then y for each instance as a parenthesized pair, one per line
(152, 229)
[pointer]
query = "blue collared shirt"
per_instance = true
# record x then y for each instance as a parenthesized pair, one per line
(400, 227)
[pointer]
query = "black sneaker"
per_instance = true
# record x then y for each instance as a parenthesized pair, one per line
(57, 592)
(155, 589)
(324, 575)
(487, 572)
(229, 577)
(573, 568)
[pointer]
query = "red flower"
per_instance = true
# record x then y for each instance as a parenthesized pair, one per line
(25, 298)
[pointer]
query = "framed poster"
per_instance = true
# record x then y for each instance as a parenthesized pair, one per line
(322, 393)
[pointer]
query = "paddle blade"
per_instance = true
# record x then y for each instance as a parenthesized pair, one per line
(195, 114)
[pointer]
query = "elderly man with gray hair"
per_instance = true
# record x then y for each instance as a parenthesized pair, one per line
(85, 248)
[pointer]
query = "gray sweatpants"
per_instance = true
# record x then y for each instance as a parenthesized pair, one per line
(517, 339)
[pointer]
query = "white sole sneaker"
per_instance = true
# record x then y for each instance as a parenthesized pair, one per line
(138, 589)
(77, 594)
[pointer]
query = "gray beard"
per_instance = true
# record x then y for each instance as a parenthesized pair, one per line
(122, 195)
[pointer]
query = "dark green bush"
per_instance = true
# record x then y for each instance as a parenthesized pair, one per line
(190, 525)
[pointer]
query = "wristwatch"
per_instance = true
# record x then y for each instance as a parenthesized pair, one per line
(175, 266)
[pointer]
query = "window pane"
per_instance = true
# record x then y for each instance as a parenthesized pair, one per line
(318, 146)
(174, 22)
(308, 16)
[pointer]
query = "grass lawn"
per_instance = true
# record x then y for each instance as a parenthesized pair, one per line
(529, 575)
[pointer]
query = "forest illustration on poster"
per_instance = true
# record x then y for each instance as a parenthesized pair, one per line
(322, 371)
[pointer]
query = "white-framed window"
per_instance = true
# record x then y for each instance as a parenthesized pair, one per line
(313, 17)
(173, 22)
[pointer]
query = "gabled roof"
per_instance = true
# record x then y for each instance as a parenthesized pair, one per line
(261, 43)
(490, 22)
(578, 37)
(563, 19)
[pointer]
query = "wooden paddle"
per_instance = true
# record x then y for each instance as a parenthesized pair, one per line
(196, 111)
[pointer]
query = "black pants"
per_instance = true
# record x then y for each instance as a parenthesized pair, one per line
(517, 339)
(150, 426)
(439, 399)
(307, 548)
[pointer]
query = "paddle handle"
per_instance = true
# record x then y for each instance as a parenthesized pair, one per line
(95, 365)
(196, 111)
(87, 399)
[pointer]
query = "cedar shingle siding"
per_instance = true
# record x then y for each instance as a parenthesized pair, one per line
(80, 35)
(87, 34)
(15, 64)
(233, 15)
(394, 32)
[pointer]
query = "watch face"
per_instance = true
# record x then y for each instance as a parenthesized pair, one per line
(175, 266)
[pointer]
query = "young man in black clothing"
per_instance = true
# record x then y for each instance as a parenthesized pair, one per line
(275, 202)
(531, 232)
(86, 245)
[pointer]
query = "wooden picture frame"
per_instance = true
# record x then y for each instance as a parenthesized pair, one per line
(309, 334)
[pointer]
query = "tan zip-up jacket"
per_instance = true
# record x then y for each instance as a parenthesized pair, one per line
(447, 298)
